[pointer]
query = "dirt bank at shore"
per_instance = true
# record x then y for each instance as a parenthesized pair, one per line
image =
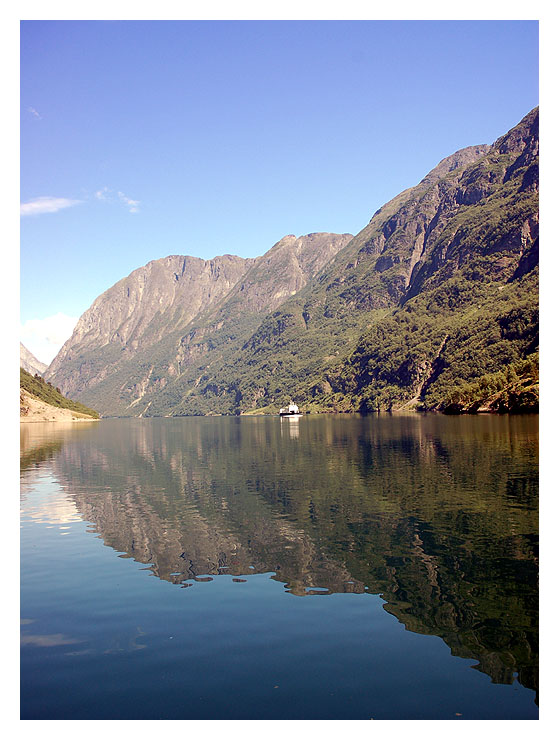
(31, 409)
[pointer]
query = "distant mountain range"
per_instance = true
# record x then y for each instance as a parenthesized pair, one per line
(29, 362)
(433, 305)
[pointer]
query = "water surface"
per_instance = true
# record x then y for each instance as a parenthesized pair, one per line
(327, 567)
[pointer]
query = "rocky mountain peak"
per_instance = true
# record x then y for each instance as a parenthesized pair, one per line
(456, 161)
(522, 136)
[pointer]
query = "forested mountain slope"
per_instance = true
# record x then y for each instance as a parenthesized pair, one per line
(437, 292)
(434, 304)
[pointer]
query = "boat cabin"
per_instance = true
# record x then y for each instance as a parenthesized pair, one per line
(291, 410)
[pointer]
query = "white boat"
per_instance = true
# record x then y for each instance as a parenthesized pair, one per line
(291, 410)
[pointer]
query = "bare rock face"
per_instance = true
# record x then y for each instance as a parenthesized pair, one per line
(171, 295)
(126, 314)
(29, 362)
(282, 272)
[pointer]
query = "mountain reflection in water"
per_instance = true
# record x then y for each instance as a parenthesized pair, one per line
(436, 514)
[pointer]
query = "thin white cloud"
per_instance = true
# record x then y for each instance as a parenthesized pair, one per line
(109, 196)
(102, 193)
(45, 337)
(35, 113)
(132, 204)
(46, 204)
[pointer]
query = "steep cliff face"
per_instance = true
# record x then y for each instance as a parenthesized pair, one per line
(282, 272)
(135, 313)
(149, 319)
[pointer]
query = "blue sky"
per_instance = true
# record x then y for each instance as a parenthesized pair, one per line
(141, 139)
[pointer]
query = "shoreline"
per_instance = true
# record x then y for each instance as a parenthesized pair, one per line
(394, 412)
(24, 420)
(37, 411)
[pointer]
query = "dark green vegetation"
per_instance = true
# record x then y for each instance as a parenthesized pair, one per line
(425, 308)
(44, 391)
(514, 389)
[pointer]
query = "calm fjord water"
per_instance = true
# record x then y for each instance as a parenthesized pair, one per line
(327, 567)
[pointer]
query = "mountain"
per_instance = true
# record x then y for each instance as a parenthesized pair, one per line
(29, 362)
(139, 335)
(434, 304)
(462, 261)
